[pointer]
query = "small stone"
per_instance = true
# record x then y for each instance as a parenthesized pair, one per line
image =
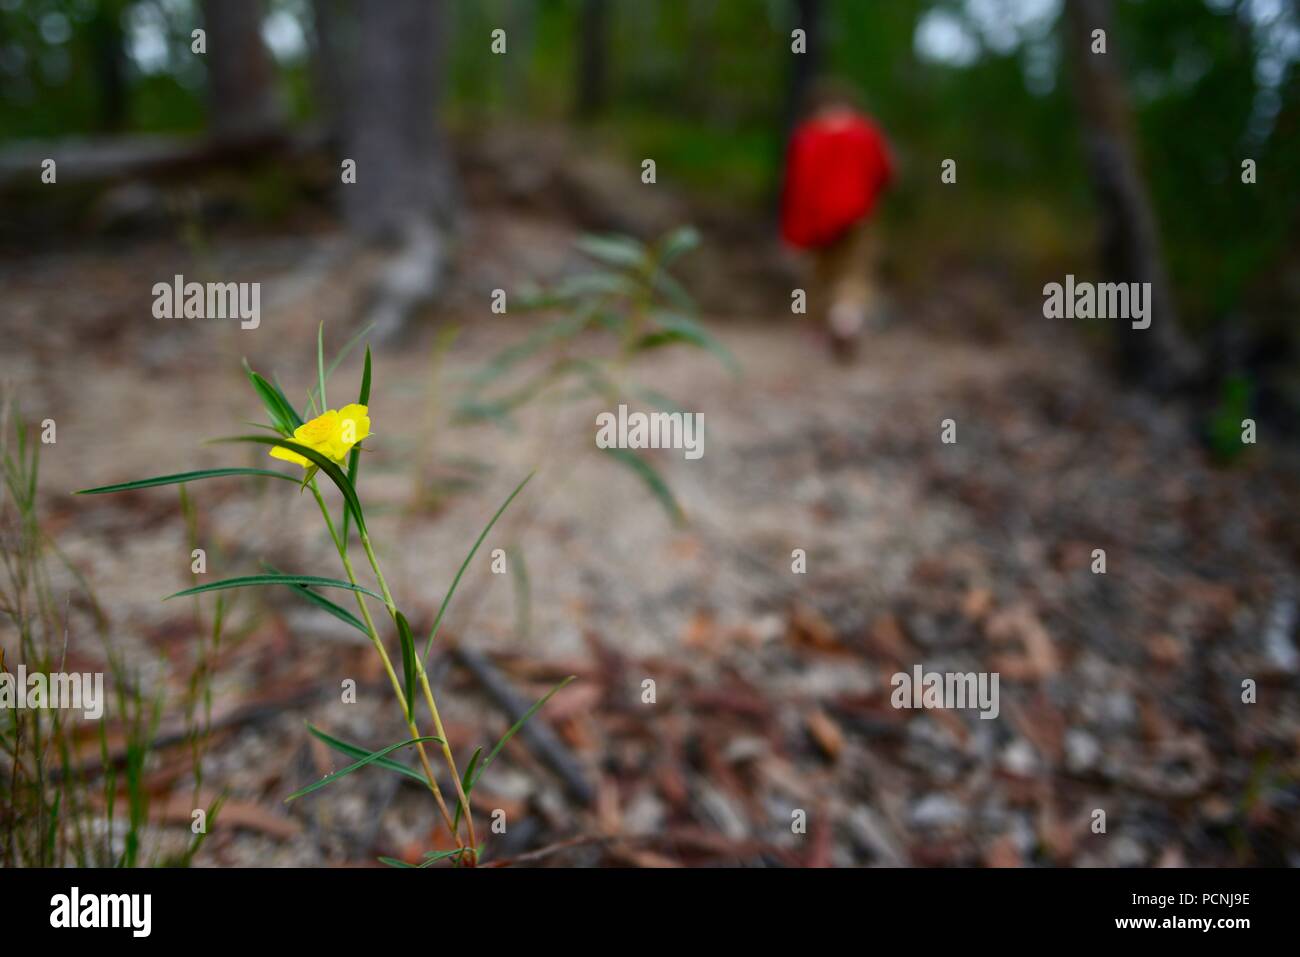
(1081, 751)
(1127, 852)
(937, 811)
(1020, 758)
(644, 814)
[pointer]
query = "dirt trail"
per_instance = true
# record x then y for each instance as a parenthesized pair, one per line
(1119, 691)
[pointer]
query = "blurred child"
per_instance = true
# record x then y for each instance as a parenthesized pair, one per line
(837, 166)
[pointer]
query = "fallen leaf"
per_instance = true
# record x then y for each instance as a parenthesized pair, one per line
(825, 732)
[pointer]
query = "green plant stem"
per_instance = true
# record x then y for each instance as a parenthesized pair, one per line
(428, 698)
(388, 667)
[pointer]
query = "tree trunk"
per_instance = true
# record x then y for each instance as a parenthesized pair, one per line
(804, 69)
(1157, 356)
(403, 195)
(243, 101)
(402, 175)
(108, 43)
(593, 60)
(333, 46)
(806, 66)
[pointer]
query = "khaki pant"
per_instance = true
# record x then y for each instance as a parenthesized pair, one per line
(844, 296)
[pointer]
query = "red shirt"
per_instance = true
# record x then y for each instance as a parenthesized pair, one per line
(836, 167)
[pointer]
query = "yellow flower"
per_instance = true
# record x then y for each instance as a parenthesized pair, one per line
(332, 435)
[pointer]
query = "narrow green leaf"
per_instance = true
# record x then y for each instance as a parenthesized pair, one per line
(664, 283)
(181, 478)
(214, 811)
(354, 457)
(514, 729)
(320, 364)
(344, 352)
(335, 609)
(283, 415)
(433, 857)
(433, 632)
(622, 251)
(467, 783)
(52, 834)
(31, 478)
(373, 756)
(364, 398)
(679, 241)
(249, 580)
(408, 662)
(606, 284)
(674, 327)
(325, 465)
(316, 598)
(653, 480)
(394, 862)
(355, 751)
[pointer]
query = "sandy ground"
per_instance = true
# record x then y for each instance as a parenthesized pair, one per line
(1119, 691)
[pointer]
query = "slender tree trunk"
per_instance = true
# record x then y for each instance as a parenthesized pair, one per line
(593, 59)
(402, 174)
(243, 101)
(1157, 356)
(333, 46)
(804, 69)
(107, 39)
(807, 66)
(403, 196)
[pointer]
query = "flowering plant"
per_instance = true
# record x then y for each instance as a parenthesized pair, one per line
(326, 443)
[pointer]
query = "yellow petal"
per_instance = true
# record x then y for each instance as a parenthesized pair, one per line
(354, 426)
(319, 431)
(289, 456)
(358, 414)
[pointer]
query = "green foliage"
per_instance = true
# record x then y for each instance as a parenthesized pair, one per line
(53, 802)
(1224, 428)
(354, 457)
(320, 601)
(368, 759)
(246, 581)
(471, 775)
(407, 641)
(628, 294)
(335, 474)
(183, 477)
(706, 89)
(285, 419)
(460, 572)
(355, 751)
